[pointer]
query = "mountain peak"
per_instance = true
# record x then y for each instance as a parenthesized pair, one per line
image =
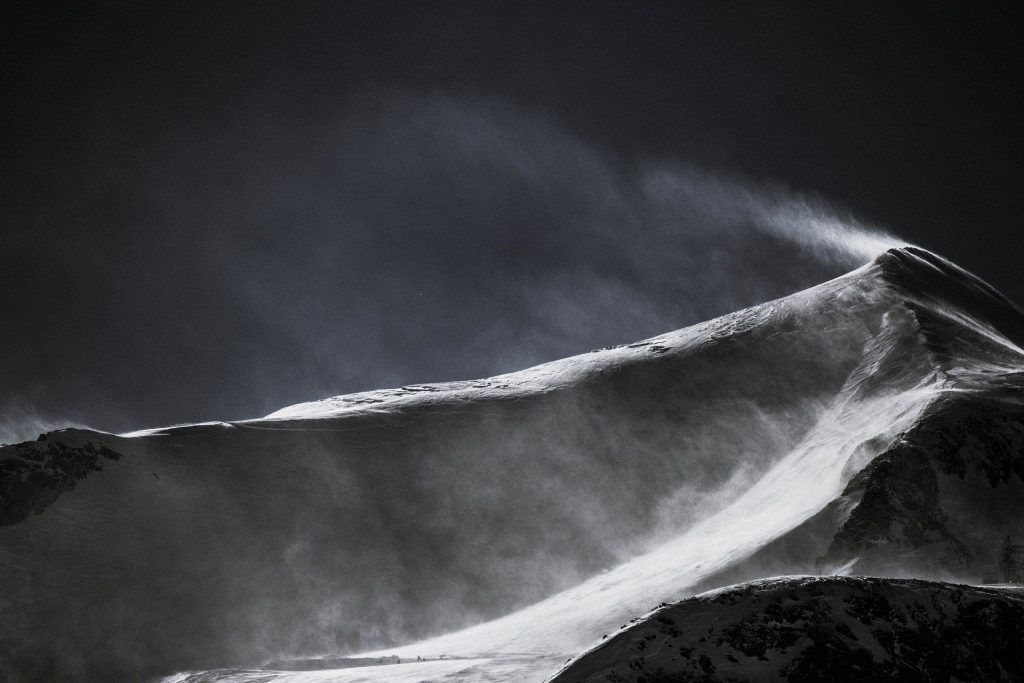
(942, 286)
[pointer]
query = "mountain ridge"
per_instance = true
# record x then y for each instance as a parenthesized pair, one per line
(817, 628)
(597, 484)
(908, 272)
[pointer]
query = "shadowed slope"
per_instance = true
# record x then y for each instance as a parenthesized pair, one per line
(817, 629)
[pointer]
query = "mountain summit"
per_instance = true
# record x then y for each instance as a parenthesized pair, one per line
(870, 424)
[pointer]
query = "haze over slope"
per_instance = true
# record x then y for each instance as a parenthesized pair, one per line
(580, 492)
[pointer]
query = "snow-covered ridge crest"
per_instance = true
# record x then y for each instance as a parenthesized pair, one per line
(943, 288)
(859, 628)
(549, 375)
(911, 274)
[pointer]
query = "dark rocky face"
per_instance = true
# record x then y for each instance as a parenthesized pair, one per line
(34, 474)
(816, 629)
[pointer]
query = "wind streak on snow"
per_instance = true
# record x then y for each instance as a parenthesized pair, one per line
(797, 487)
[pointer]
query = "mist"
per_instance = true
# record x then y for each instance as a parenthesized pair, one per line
(400, 238)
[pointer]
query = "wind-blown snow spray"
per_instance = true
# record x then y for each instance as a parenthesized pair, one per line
(737, 205)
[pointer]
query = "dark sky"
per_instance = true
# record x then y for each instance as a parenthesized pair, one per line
(212, 210)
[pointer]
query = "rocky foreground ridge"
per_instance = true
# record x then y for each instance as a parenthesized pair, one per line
(818, 629)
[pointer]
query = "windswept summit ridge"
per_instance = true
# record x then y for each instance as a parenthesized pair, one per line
(932, 281)
(926, 283)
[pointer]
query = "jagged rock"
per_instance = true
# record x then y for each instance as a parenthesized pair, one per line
(34, 474)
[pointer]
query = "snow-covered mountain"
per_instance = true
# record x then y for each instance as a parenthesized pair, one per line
(872, 424)
(819, 629)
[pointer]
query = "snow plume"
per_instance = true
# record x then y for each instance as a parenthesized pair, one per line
(502, 240)
(398, 238)
(22, 421)
(807, 222)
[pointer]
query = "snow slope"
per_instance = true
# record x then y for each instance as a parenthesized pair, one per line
(546, 506)
(819, 629)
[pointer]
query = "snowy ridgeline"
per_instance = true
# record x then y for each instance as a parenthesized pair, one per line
(870, 424)
(818, 629)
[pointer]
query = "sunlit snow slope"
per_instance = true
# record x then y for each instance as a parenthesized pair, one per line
(546, 506)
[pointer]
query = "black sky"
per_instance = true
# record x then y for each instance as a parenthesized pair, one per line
(211, 210)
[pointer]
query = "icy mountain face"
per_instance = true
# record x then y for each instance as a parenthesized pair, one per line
(818, 629)
(940, 500)
(591, 487)
(938, 503)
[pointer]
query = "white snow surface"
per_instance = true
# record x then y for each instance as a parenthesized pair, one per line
(524, 645)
